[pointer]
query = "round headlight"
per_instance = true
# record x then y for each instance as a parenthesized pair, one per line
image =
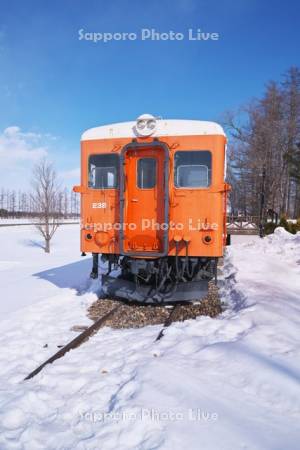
(141, 124)
(151, 124)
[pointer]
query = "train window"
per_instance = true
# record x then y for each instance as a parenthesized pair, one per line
(192, 169)
(146, 173)
(103, 171)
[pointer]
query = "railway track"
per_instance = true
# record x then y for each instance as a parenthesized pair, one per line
(168, 322)
(76, 342)
(87, 333)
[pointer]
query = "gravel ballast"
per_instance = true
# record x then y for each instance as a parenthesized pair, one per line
(137, 316)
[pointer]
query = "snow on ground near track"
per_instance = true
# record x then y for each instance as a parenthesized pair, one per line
(226, 383)
(24, 273)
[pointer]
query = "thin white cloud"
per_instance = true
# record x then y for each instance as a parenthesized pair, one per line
(73, 174)
(17, 147)
(19, 151)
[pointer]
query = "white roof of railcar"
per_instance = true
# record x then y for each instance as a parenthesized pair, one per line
(163, 128)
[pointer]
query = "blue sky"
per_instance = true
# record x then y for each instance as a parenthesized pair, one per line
(54, 86)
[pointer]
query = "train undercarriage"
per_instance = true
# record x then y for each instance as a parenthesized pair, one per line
(162, 280)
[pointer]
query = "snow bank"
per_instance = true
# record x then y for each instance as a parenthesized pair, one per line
(225, 383)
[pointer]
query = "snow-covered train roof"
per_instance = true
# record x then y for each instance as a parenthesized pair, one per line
(163, 128)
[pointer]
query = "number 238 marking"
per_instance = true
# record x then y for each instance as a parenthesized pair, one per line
(101, 205)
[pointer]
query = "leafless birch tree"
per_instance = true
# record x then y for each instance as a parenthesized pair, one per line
(45, 197)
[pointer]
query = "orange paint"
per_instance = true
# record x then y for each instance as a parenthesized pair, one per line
(191, 208)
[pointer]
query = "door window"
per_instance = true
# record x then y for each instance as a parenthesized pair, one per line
(146, 173)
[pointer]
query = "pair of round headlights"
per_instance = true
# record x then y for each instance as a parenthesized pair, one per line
(146, 124)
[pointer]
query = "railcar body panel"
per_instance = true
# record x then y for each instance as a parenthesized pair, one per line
(154, 197)
(193, 212)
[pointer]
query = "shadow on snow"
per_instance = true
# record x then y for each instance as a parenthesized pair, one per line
(74, 275)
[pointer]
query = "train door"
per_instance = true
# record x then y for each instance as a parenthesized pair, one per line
(144, 203)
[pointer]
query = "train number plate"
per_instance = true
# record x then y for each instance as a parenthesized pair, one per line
(100, 205)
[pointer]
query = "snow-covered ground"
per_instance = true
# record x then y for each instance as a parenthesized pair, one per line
(28, 275)
(227, 383)
(25, 221)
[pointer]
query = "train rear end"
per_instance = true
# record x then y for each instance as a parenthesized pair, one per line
(153, 205)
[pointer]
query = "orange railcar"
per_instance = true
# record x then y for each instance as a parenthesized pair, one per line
(153, 203)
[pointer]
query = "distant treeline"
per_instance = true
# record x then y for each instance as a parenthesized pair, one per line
(19, 204)
(265, 134)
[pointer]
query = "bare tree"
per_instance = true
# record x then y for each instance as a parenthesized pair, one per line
(65, 203)
(45, 196)
(13, 203)
(2, 198)
(264, 134)
(24, 204)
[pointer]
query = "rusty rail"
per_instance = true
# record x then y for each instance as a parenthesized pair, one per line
(76, 342)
